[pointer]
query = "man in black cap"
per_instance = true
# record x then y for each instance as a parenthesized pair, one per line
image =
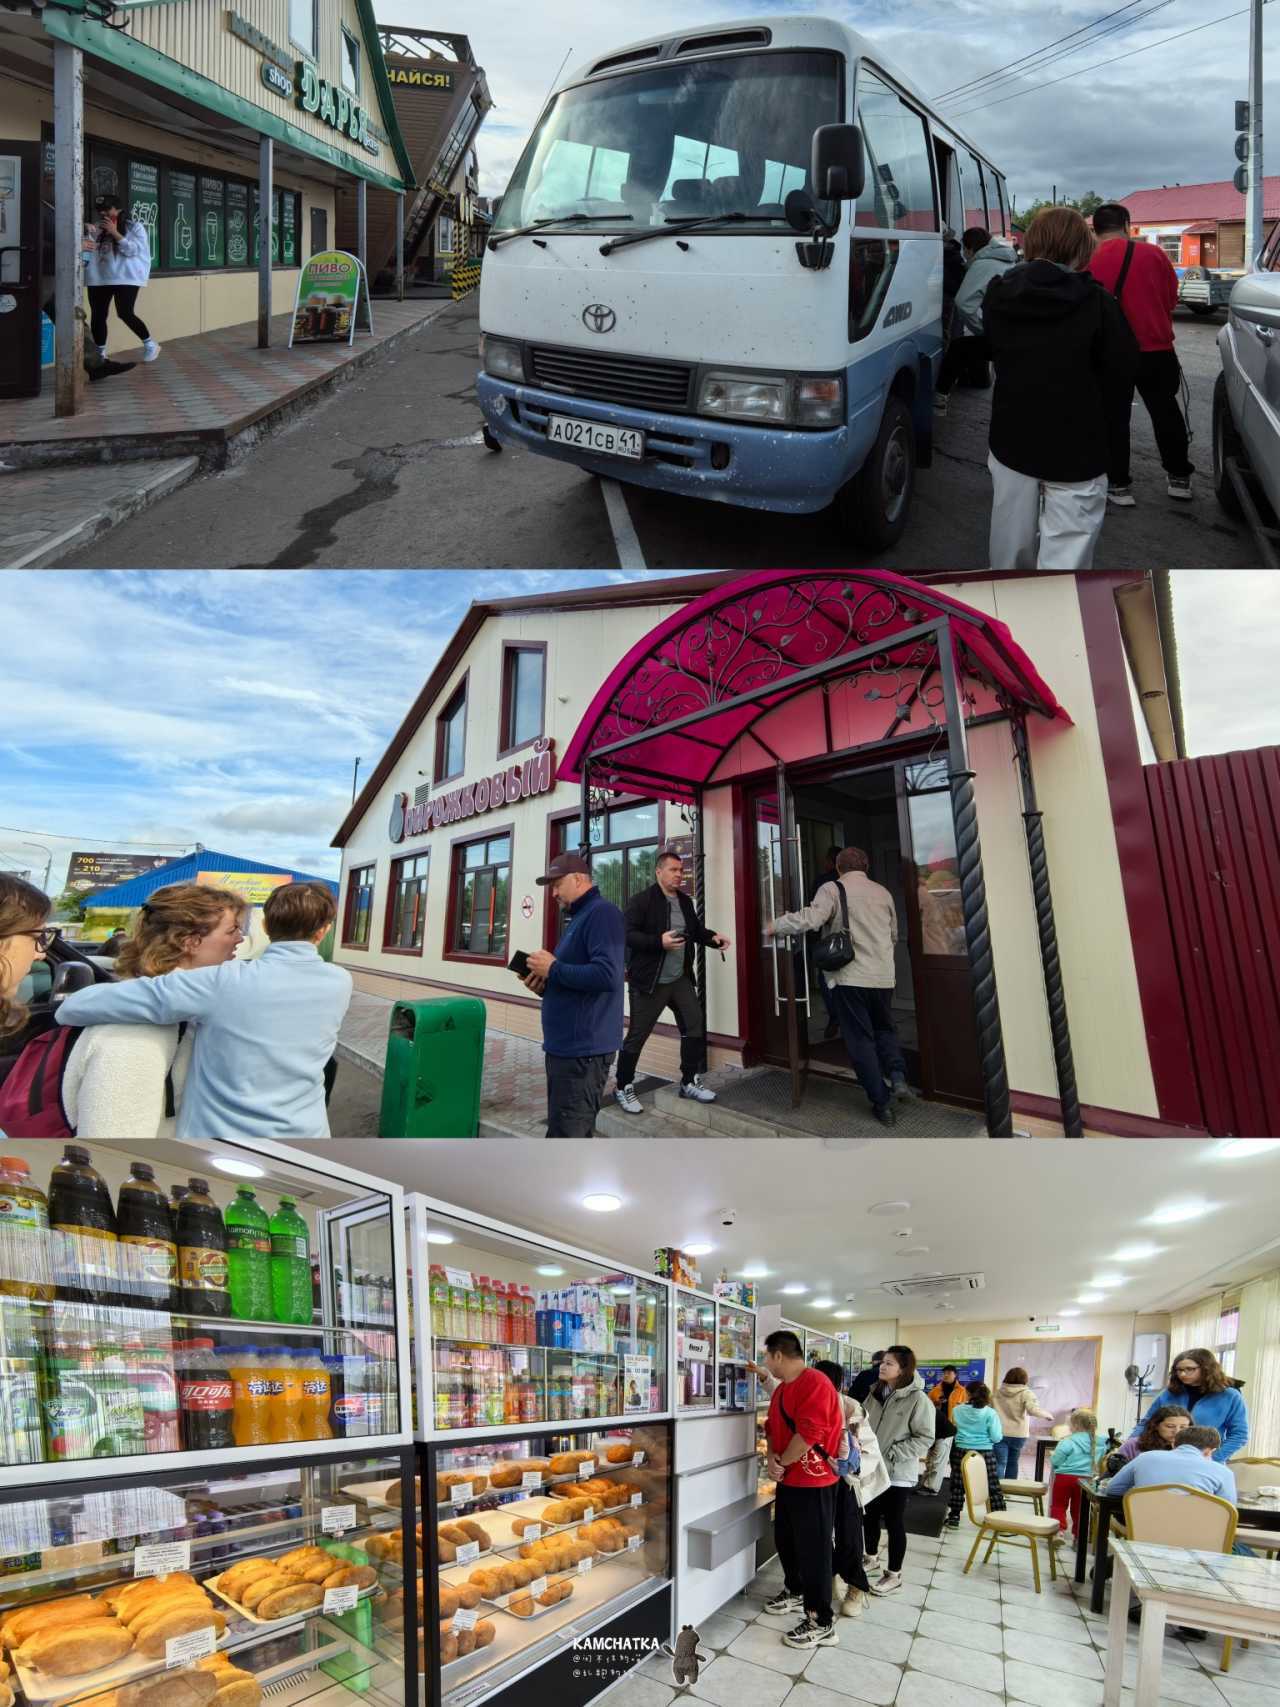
(581, 989)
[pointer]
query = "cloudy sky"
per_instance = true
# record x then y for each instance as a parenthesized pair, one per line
(1163, 115)
(228, 707)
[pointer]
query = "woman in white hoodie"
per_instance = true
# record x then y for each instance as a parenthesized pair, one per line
(1015, 1405)
(115, 270)
(126, 1081)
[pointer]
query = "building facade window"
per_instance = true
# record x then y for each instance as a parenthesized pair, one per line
(355, 923)
(350, 62)
(407, 904)
(524, 671)
(303, 26)
(625, 842)
(451, 736)
(480, 903)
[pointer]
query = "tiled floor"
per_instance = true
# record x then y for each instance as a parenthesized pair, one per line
(946, 1640)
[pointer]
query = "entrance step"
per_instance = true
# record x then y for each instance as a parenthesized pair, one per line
(757, 1104)
(655, 1122)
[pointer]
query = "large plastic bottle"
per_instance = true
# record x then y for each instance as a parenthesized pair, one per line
(438, 1289)
(202, 1254)
(148, 1245)
(290, 1266)
(285, 1399)
(316, 1395)
(83, 1228)
(249, 1257)
(24, 1234)
(250, 1397)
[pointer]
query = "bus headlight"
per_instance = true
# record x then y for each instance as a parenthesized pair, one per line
(502, 358)
(820, 402)
(743, 397)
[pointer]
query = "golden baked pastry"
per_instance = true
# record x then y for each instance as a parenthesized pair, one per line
(296, 1597)
(180, 1620)
(70, 1650)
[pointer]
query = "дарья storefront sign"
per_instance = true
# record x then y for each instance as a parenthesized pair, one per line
(537, 775)
(332, 103)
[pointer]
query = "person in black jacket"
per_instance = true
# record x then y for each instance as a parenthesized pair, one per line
(662, 929)
(1063, 351)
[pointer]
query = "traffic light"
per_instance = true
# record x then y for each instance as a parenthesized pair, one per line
(1241, 176)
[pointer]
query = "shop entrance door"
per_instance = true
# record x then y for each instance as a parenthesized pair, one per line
(779, 984)
(20, 215)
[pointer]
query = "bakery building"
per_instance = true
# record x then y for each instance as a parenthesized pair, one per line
(1199, 225)
(196, 114)
(1007, 749)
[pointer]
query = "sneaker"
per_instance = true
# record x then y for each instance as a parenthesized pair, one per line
(102, 351)
(885, 1115)
(901, 1089)
(1180, 487)
(810, 1634)
(1122, 497)
(941, 402)
(783, 1603)
(855, 1603)
(889, 1583)
(870, 1561)
(150, 350)
(696, 1091)
(953, 1523)
(627, 1100)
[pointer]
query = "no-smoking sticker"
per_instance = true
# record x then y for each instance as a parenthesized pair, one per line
(526, 906)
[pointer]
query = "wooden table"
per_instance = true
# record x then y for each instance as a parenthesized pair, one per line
(1219, 1592)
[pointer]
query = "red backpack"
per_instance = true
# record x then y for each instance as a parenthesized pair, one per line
(31, 1104)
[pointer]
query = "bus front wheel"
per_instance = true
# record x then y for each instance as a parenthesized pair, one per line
(873, 507)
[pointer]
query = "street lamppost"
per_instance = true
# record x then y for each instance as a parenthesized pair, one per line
(48, 866)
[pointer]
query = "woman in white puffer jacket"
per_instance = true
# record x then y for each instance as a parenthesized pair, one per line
(115, 270)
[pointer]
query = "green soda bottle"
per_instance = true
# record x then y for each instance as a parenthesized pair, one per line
(290, 1266)
(249, 1257)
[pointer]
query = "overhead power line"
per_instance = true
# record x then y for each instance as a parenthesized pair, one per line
(90, 841)
(1114, 60)
(961, 87)
(1051, 58)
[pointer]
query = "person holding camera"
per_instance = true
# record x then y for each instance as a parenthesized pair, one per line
(117, 266)
(662, 931)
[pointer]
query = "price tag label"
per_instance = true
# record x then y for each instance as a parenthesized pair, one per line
(458, 1277)
(466, 1618)
(584, 1565)
(586, 1470)
(589, 1514)
(637, 1499)
(165, 1556)
(462, 1491)
(468, 1553)
(337, 1519)
(182, 1650)
(531, 1532)
(538, 1586)
(531, 1479)
(637, 1457)
(634, 1542)
(341, 1599)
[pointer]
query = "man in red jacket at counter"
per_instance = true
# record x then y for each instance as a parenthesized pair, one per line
(1141, 278)
(805, 1430)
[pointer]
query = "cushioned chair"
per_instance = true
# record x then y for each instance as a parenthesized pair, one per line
(1252, 1474)
(1171, 1515)
(1014, 1489)
(1000, 1526)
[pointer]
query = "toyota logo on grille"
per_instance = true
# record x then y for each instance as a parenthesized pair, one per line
(599, 317)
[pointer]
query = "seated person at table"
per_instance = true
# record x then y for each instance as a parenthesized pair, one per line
(1198, 1381)
(1157, 1434)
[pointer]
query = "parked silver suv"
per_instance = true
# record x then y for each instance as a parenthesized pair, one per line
(1246, 399)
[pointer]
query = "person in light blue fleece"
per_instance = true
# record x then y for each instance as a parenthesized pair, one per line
(265, 1028)
(978, 1429)
(1198, 1381)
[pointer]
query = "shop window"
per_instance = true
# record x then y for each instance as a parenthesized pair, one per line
(178, 227)
(524, 671)
(451, 736)
(624, 848)
(933, 847)
(480, 912)
(350, 62)
(406, 904)
(143, 197)
(1226, 1339)
(355, 924)
(211, 222)
(898, 194)
(303, 28)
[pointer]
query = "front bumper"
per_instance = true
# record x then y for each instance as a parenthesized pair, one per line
(765, 468)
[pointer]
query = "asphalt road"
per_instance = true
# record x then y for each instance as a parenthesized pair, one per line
(390, 472)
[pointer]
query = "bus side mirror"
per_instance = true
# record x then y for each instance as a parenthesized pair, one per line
(837, 166)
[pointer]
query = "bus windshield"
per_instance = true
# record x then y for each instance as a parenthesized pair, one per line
(679, 141)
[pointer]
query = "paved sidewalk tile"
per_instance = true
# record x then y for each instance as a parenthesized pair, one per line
(47, 512)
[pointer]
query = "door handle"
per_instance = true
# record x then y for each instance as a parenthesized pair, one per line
(773, 941)
(804, 939)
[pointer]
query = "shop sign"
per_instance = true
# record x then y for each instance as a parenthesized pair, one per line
(276, 80)
(144, 202)
(401, 77)
(88, 873)
(537, 775)
(333, 104)
(255, 39)
(255, 887)
(327, 305)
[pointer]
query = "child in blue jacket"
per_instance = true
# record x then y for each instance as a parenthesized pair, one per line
(1073, 1459)
(978, 1429)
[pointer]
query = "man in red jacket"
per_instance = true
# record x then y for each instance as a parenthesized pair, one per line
(805, 1430)
(1141, 278)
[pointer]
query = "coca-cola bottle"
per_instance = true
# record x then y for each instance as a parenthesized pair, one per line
(204, 1396)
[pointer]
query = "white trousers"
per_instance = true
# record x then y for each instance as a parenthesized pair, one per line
(937, 1463)
(1044, 524)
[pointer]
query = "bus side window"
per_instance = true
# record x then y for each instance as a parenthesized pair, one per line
(872, 261)
(898, 194)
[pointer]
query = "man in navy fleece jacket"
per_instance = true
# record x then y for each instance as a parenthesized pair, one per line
(581, 986)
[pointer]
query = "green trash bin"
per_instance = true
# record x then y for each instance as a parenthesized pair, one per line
(435, 1066)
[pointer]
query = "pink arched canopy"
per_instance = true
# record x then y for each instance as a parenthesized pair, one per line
(720, 688)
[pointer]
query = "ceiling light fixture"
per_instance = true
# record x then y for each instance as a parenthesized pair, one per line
(1068, 1312)
(891, 1206)
(697, 1250)
(844, 1315)
(793, 1288)
(549, 1268)
(754, 1271)
(242, 1170)
(1172, 1214)
(822, 1303)
(1138, 1253)
(436, 1237)
(603, 1202)
(1108, 1282)
(1089, 1298)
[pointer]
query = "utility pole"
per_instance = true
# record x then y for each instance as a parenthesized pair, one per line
(1253, 200)
(355, 772)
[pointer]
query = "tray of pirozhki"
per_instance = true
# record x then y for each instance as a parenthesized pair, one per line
(277, 1590)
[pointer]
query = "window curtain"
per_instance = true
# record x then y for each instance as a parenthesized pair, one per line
(1195, 1326)
(1261, 1298)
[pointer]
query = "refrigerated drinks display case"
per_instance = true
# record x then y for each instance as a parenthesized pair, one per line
(819, 1348)
(545, 1464)
(735, 1349)
(695, 1325)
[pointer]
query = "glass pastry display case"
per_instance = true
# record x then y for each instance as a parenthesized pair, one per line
(735, 1350)
(513, 1330)
(695, 1367)
(553, 1551)
(172, 1301)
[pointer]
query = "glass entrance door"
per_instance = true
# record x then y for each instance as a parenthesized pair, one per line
(780, 991)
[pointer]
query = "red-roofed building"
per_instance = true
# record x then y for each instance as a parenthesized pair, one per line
(1198, 225)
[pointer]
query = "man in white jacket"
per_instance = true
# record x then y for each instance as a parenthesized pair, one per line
(116, 267)
(986, 257)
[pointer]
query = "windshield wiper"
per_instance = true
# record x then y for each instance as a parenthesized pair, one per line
(559, 219)
(673, 228)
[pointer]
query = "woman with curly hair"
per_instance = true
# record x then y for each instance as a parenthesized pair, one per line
(1198, 1383)
(117, 1075)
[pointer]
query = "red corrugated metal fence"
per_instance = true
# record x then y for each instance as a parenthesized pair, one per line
(1217, 832)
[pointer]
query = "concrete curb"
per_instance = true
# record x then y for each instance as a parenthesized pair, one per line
(147, 490)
